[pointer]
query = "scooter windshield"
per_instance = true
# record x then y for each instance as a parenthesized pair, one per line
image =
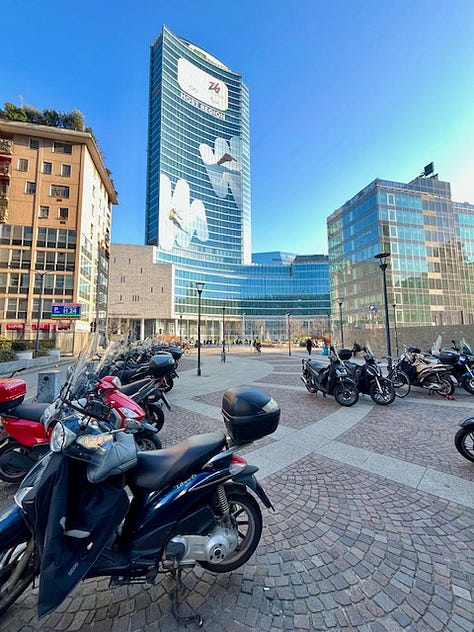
(465, 347)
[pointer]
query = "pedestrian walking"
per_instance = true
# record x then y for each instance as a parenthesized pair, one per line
(309, 345)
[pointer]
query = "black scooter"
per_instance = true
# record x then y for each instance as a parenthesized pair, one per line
(464, 439)
(369, 379)
(331, 379)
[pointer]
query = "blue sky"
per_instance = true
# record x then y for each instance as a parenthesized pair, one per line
(341, 93)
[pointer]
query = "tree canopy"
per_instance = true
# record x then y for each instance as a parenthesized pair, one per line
(52, 118)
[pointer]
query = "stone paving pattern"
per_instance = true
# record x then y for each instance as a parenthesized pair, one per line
(345, 550)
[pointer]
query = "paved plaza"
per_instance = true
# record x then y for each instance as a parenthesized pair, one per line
(373, 529)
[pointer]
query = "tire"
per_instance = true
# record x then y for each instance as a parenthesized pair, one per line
(386, 395)
(148, 441)
(155, 416)
(11, 473)
(169, 383)
(308, 382)
(447, 386)
(9, 561)
(401, 383)
(464, 442)
(346, 394)
(247, 519)
(468, 384)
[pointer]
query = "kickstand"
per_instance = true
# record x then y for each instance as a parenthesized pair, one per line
(178, 590)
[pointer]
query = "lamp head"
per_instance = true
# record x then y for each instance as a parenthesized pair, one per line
(200, 286)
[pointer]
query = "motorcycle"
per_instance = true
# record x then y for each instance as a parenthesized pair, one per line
(23, 426)
(369, 379)
(134, 514)
(332, 379)
(464, 439)
(139, 362)
(460, 361)
(425, 371)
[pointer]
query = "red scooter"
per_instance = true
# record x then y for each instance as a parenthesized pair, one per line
(24, 439)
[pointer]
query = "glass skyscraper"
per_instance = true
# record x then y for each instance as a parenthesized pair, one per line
(430, 239)
(198, 211)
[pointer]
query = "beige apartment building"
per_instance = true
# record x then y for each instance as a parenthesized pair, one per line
(141, 294)
(56, 200)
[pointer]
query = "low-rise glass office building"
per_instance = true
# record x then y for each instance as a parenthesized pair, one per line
(430, 240)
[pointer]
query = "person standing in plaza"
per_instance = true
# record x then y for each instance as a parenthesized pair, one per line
(309, 345)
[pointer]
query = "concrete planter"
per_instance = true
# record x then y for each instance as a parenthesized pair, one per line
(54, 354)
(24, 355)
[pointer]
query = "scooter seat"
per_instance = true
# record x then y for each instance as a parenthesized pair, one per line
(31, 412)
(134, 387)
(156, 469)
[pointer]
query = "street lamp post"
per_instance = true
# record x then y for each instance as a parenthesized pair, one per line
(340, 301)
(223, 330)
(382, 257)
(40, 308)
(395, 326)
(181, 329)
(289, 334)
(199, 288)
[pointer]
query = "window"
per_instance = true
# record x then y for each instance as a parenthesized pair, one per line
(30, 188)
(66, 171)
(43, 211)
(390, 199)
(59, 191)
(63, 213)
(62, 148)
(34, 143)
(22, 164)
(47, 168)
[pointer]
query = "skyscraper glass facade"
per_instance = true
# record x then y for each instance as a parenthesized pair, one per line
(430, 239)
(198, 211)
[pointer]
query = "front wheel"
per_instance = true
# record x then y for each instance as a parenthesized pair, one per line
(464, 442)
(346, 393)
(10, 472)
(384, 395)
(148, 441)
(169, 383)
(468, 384)
(246, 519)
(17, 572)
(401, 383)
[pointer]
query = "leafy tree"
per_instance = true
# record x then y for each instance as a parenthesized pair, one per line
(15, 114)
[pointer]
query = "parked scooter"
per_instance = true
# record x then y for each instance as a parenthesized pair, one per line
(369, 379)
(425, 371)
(189, 504)
(464, 439)
(140, 362)
(332, 379)
(460, 361)
(24, 436)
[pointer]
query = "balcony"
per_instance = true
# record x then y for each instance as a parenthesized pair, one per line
(6, 146)
(5, 168)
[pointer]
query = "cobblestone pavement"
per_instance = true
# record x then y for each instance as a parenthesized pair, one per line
(372, 532)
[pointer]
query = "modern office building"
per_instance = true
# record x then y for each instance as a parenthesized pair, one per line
(56, 200)
(430, 240)
(198, 214)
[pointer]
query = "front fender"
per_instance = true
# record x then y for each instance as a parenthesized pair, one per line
(465, 423)
(13, 528)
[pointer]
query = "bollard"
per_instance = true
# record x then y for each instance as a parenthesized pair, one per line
(49, 385)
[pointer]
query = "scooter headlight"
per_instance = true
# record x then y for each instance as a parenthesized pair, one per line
(61, 437)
